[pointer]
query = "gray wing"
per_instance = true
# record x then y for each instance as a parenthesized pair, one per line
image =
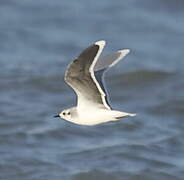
(80, 76)
(100, 78)
(104, 63)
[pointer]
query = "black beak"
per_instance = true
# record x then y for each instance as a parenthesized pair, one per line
(56, 116)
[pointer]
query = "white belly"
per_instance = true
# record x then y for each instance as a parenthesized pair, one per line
(95, 116)
(92, 115)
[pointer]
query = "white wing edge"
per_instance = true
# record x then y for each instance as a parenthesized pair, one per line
(105, 62)
(101, 45)
(123, 52)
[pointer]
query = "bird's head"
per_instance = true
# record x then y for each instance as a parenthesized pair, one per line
(65, 114)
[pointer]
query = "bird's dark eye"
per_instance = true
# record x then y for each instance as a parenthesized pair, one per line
(68, 113)
(64, 113)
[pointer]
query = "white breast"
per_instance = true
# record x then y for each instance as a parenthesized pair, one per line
(93, 116)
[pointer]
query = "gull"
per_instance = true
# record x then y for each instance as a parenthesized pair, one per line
(85, 76)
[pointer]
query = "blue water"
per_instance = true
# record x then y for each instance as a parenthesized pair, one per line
(37, 41)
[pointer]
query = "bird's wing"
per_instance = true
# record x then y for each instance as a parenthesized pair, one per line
(105, 62)
(80, 76)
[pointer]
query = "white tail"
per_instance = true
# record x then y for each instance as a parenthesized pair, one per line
(132, 115)
(118, 114)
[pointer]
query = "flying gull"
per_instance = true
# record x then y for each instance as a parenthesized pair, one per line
(85, 76)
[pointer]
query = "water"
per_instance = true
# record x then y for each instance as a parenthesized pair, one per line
(37, 41)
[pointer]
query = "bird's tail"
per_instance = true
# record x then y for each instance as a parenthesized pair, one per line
(119, 115)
